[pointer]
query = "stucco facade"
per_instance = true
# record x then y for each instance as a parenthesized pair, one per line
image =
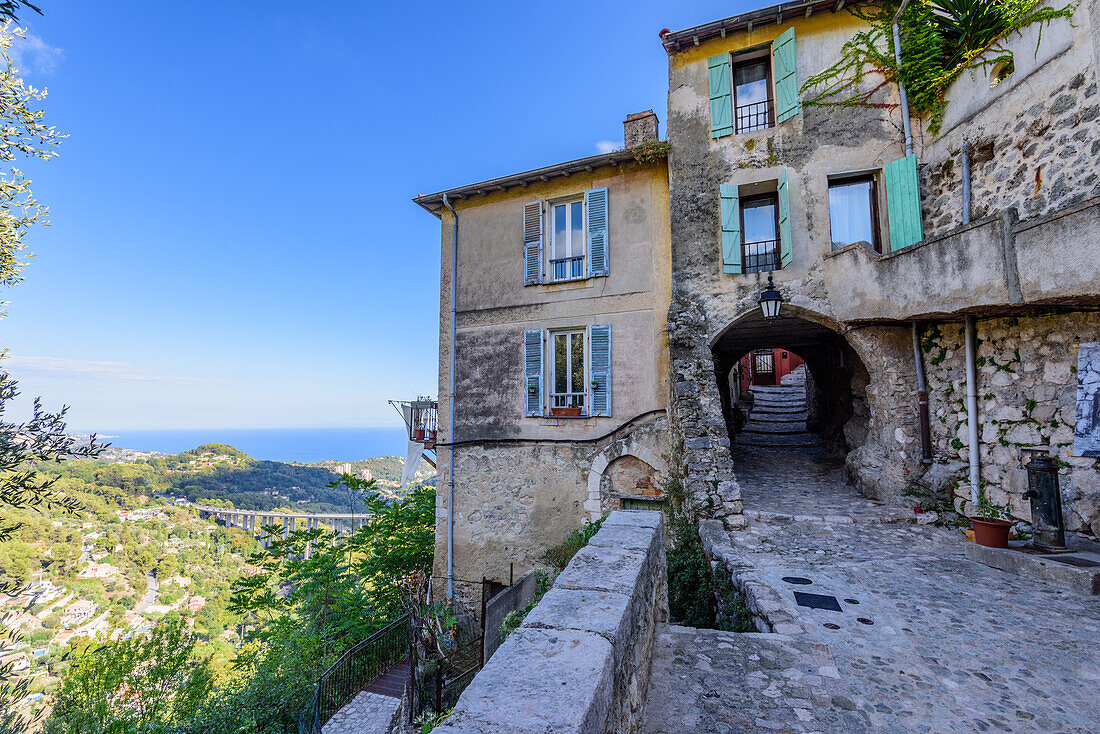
(524, 479)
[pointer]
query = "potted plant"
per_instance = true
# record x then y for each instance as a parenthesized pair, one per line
(990, 524)
(572, 411)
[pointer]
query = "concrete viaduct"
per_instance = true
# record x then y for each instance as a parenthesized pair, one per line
(253, 521)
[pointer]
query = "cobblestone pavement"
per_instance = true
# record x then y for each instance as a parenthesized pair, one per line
(951, 646)
(367, 713)
(802, 483)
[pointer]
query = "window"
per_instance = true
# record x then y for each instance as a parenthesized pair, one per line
(853, 212)
(569, 386)
(760, 233)
(751, 99)
(567, 240)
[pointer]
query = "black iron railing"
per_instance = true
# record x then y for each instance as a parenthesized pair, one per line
(755, 116)
(568, 268)
(357, 668)
(760, 256)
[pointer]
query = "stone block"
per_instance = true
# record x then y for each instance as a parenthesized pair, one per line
(635, 518)
(602, 568)
(540, 681)
(602, 613)
(637, 538)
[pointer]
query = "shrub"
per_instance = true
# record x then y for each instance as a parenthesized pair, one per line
(560, 555)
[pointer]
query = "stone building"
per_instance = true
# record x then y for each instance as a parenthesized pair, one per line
(561, 371)
(886, 267)
(873, 251)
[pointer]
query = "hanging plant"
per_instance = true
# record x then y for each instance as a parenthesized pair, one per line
(939, 41)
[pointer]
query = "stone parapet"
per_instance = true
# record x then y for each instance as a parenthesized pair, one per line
(580, 662)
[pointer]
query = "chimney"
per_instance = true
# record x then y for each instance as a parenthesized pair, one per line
(641, 127)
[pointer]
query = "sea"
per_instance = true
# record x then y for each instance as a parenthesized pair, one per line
(273, 444)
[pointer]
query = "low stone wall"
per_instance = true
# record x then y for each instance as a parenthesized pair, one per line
(580, 662)
(515, 597)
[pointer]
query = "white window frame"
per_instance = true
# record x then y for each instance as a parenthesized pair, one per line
(571, 246)
(585, 392)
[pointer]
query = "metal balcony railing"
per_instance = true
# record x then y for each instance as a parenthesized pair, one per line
(755, 116)
(568, 268)
(567, 400)
(760, 256)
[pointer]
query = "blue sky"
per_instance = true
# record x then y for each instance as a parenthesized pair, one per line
(232, 240)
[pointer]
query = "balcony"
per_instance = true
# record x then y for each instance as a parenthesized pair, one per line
(568, 268)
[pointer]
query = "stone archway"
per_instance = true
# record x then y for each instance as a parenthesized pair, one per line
(622, 461)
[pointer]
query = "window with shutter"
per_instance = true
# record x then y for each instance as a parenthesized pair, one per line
(784, 220)
(532, 242)
(599, 369)
(903, 202)
(721, 101)
(786, 76)
(532, 372)
(731, 230)
(598, 250)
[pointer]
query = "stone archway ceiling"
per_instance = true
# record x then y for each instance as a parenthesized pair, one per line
(786, 332)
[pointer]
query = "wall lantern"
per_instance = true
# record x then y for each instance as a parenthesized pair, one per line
(770, 301)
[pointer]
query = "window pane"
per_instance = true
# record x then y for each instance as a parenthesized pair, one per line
(578, 362)
(577, 215)
(560, 243)
(759, 221)
(850, 213)
(561, 371)
(751, 81)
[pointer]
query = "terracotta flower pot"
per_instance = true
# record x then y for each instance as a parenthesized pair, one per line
(566, 412)
(991, 533)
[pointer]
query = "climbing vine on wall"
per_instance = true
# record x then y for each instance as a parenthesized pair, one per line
(939, 41)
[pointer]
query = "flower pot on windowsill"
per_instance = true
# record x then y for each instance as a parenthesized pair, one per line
(566, 412)
(418, 434)
(990, 532)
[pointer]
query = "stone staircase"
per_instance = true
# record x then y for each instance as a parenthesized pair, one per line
(778, 415)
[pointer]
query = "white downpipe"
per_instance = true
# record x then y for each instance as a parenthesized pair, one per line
(972, 411)
(451, 420)
(901, 84)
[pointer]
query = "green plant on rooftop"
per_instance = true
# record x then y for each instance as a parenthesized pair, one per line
(940, 40)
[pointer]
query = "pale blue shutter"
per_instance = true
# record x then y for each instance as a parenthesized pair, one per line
(599, 368)
(721, 101)
(731, 230)
(595, 205)
(784, 220)
(903, 202)
(532, 371)
(532, 243)
(786, 76)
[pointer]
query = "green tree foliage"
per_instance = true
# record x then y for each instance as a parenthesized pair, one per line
(940, 39)
(133, 685)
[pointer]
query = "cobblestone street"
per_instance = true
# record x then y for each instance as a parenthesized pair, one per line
(923, 639)
(367, 713)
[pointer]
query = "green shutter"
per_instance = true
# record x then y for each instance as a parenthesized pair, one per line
(731, 230)
(532, 371)
(721, 101)
(784, 220)
(532, 242)
(599, 368)
(903, 202)
(786, 76)
(595, 206)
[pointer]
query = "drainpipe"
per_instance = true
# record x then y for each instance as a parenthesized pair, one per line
(451, 420)
(966, 181)
(901, 84)
(972, 410)
(922, 401)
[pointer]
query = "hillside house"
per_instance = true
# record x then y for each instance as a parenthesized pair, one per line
(956, 267)
(560, 361)
(78, 613)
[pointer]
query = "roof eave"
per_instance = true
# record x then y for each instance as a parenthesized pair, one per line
(677, 41)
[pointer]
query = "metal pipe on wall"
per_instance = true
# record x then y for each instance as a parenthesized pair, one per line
(901, 85)
(972, 409)
(451, 421)
(966, 181)
(922, 401)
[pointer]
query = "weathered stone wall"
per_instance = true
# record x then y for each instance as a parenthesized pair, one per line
(580, 662)
(1034, 136)
(515, 500)
(1027, 391)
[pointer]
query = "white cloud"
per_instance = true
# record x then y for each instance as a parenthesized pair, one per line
(607, 146)
(91, 369)
(31, 54)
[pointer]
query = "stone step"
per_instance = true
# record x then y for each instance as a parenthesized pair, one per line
(780, 402)
(794, 413)
(754, 426)
(793, 440)
(778, 389)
